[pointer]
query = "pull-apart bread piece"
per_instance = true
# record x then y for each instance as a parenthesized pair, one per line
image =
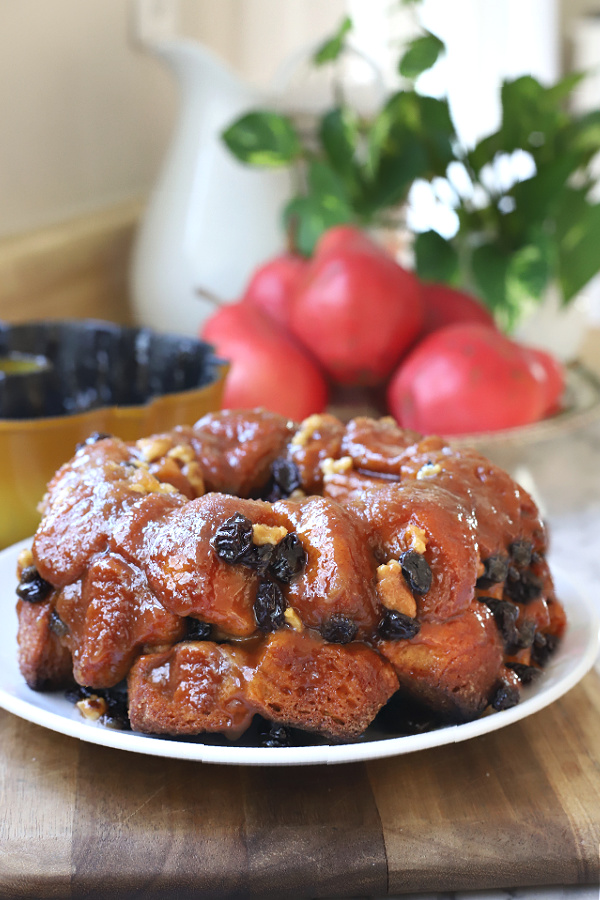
(305, 573)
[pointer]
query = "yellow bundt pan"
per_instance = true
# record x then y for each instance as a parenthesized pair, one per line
(32, 447)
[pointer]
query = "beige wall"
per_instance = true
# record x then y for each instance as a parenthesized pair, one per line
(86, 116)
(570, 11)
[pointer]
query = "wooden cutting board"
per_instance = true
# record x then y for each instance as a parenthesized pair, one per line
(516, 807)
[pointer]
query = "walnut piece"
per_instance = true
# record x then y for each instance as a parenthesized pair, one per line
(267, 534)
(340, 466)
(393, 590)
(293, 619)
(93, 707)
(153, 448)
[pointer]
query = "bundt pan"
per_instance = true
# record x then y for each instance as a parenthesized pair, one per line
(62, 380)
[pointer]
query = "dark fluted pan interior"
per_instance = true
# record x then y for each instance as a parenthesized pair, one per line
(92, 364)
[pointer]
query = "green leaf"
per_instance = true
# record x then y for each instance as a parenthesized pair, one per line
(578, 234)
(411, 120)
(436, 259)
(489, 266)
(325, 205)
(306, 219)
(522, 105)
(531, 118)
(421, 54)
(537, 196)
(263, 138)
(527, 278)
(330, 49)
(582, 136)
(339, 134)
(394, 177)
(437, 132)
(512, 283)
(484, 151)
(564, 87)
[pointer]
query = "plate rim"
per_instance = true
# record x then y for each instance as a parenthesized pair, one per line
(322, 754)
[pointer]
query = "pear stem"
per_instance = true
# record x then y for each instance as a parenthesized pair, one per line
(208, 295)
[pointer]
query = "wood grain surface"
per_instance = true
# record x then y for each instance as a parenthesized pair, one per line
(517, 807)
(75, 269)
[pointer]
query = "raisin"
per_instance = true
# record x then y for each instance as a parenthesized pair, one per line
(273, 735)
(526, 635)
(496, 570)
(505, 696)
(57, 625)
(77, 693)
(195, 630)
(285, 479)
(94, 437)
(258, 557)
(543, 647)
(289, 558)
(396, 626)
(526, 674)
(269, 606)
(520, 553)
(117, 714)
(339, 629)
(32, 587)
(522, 587)
(286, 476)
(233, 538)
(416, 571)
(505, 615)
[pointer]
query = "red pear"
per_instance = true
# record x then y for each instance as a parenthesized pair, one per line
(356, 309)
(273, 284)
(446, 306)
(466, 378)
(267, 368)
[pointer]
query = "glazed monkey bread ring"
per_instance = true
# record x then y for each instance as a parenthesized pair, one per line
(305, 573)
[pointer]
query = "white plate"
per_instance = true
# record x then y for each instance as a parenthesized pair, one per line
(574, 657)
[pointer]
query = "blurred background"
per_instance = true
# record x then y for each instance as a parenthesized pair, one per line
(87, 116)
(94, 109)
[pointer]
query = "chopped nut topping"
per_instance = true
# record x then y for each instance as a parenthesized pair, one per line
(293, 619)
(153, 448)
(139, 464)
(182, 452)
(306, 430)
(415, 538)
(298, 494)
(24, 560)
(331, 466)
(165, 488)
(393, 590)
(193, 473)
(93, 707)
(429, 470)
(265, 534)
(145, 483)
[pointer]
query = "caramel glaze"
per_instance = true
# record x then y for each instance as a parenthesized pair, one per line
(125, 542)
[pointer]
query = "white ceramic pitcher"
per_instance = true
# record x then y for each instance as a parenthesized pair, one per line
(210, 220)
